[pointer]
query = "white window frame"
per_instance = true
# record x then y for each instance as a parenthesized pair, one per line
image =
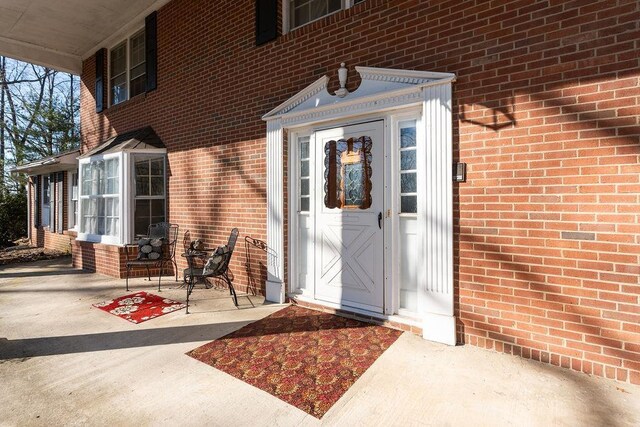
(286, 24)
(126, 185)
(397, 121)
(99, 238)
(72, 223)
(147, 156)
(296, 215)
(127, 43)
(43, 189)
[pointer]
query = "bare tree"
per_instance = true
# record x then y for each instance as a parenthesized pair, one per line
(38, 109)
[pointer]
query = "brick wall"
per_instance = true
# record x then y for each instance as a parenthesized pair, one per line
(546, 113)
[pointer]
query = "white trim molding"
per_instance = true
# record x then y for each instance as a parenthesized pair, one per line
(286, 15)
(275, 212)
(439, 321)
(381, 93)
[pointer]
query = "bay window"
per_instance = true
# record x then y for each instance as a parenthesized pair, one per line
(121, 193)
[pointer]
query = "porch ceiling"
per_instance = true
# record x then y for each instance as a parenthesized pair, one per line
(60, 34)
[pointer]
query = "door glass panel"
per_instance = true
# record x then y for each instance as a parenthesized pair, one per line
(408, 160)
(347, 173)
(304, 187)
(353, 184)
(408, 136)
(408, 174)
(304, 174)
(408, 182)
(409, 204)
(304, 204)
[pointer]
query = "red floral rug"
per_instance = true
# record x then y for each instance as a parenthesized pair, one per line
(307, 358)
(139, 307)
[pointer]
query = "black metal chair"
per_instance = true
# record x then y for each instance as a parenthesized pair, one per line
(168, 233)
(198, 269)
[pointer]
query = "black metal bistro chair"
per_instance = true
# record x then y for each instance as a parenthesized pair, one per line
(211, 264)
(157, 249)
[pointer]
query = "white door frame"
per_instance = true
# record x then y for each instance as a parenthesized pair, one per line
(381, 92)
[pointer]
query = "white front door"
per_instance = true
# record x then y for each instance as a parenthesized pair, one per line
(349, 208)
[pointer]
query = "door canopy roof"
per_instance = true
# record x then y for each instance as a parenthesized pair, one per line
(380, 89)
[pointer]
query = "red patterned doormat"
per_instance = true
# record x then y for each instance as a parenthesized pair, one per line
(307, 358)
(139, 307)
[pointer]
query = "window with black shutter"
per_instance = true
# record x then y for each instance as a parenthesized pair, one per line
(133, 63)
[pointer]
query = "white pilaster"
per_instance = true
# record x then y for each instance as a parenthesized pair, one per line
(439, 321)
(30, 222)
(275, 213)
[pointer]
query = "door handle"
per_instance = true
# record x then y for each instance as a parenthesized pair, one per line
(380, 220)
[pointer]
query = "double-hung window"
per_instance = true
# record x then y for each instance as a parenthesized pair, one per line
(100, 197)
(301, 12)
(73, 199)
(46, 201)
(127, 69)
(149, 193)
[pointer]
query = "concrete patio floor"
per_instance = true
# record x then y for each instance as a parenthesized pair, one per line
(63, 362)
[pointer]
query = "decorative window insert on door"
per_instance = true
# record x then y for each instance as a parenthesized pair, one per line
(348, 173)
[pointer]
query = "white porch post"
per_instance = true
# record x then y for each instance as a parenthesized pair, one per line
(439, 321)
(275, 212)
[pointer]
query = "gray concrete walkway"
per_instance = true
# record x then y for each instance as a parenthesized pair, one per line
(63, 362)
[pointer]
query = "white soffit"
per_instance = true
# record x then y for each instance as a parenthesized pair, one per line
(60, 34)
(376, 83)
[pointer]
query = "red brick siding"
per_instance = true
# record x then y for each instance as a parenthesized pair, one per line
(546, 113)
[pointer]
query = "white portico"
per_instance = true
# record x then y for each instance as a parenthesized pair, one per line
(370, 215)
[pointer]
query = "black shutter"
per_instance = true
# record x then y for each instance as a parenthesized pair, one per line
(99, 92)
(266, 21)
(38, 190)
(151, 50)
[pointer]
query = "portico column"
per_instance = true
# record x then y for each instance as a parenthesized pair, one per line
(437, 292)
(275, 291)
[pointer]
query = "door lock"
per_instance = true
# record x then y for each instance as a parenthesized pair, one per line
(380, 220)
